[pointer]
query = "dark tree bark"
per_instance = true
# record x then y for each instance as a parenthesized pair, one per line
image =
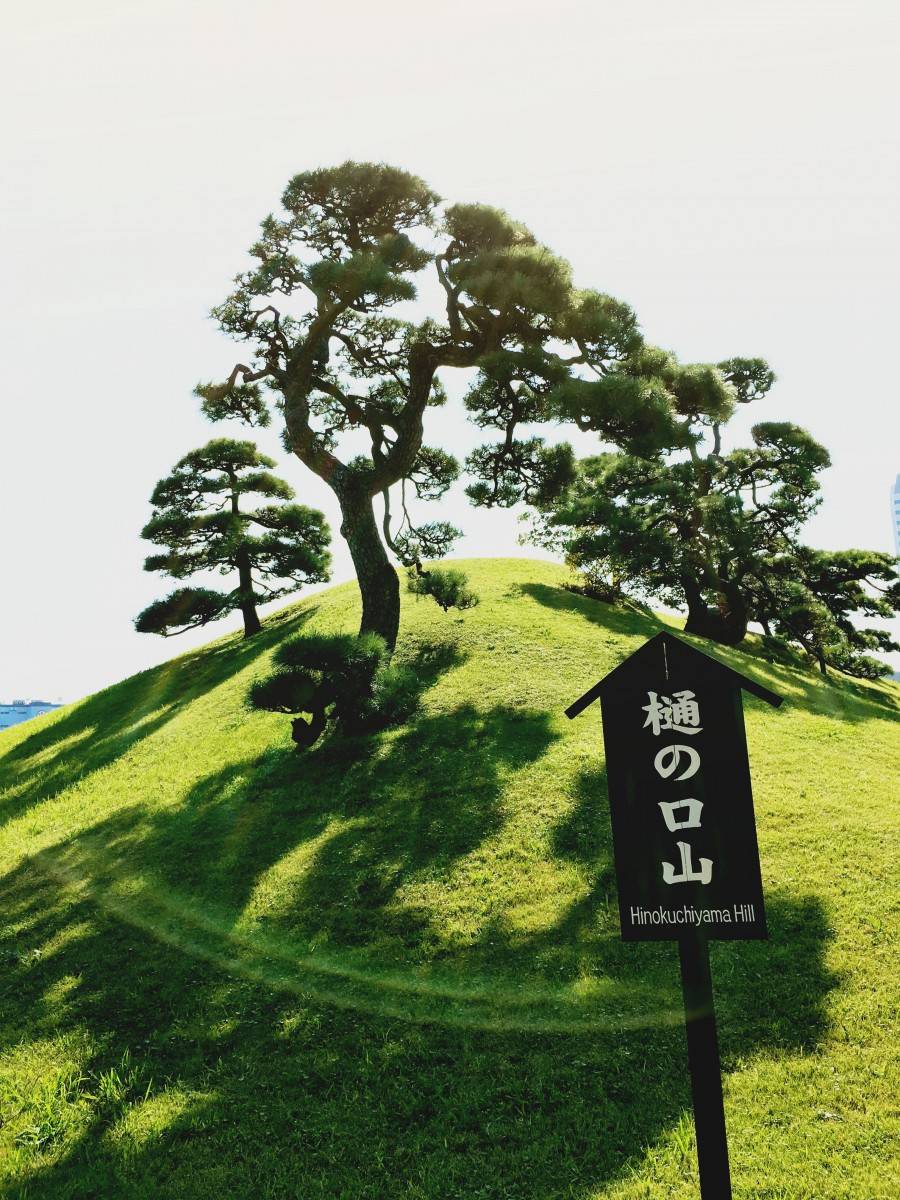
(245, 583)
(379, 585)
(726, 623)
(732, 609)
(306, 733)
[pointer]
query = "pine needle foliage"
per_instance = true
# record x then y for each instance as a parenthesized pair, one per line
(202, 521)
(718, 531)
(347, 680)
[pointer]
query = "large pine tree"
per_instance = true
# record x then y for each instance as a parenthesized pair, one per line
(204, 518)
(315, 314)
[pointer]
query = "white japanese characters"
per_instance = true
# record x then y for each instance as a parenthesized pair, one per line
(688, 874)
(691, 819)
(668, 760)
(679, 713)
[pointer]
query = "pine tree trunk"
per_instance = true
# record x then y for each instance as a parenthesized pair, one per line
(245, 585)
(700, 616)
(732, 608)
(377, 578)
(726, 623)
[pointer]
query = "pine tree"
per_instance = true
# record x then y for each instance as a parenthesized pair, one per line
(693, 528)
(314, 311)
(719, 533)
(815, 598)
(198, 517)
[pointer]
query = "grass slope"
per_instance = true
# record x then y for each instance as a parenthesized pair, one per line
(391, 967)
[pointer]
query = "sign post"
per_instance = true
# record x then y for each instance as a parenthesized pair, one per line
(684, 838)
(705, 1068)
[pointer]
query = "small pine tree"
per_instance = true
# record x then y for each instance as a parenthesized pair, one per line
(447, 587)
(199, 520)
(350, 680)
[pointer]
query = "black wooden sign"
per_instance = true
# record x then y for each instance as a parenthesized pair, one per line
(684, 834)
(684, 838)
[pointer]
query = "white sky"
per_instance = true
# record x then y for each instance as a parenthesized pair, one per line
(729, 169)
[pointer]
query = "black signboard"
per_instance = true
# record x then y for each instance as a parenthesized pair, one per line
(684, 838)
(684, 833)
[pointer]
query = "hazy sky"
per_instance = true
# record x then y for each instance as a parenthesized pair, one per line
(729, 169)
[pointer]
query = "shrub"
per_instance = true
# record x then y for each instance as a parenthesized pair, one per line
(337, 676)
(445, 585)
(395, 696)
(342, 653)
(596, 579)
(284, 691)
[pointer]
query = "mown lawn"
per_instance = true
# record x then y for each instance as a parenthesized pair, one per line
(391, 967)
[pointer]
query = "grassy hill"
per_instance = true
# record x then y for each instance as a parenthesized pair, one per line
(391, 967)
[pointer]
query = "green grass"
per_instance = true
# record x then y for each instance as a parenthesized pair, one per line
(391, 967)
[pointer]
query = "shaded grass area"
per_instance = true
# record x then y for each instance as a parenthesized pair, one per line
(243, 1089)
(391, 967)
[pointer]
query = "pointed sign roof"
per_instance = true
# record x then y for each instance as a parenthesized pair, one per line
(670, 652)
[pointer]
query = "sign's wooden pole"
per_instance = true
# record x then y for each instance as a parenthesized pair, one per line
(706, 1071)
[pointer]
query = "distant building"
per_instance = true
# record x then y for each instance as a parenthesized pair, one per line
(895, 513)
(23, 710)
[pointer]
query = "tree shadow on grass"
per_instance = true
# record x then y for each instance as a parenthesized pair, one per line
(586, 937)
(611, 617)
(364, 815)
(839, 696)
(261, 1090)
(106, 725)
(256, 1092)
